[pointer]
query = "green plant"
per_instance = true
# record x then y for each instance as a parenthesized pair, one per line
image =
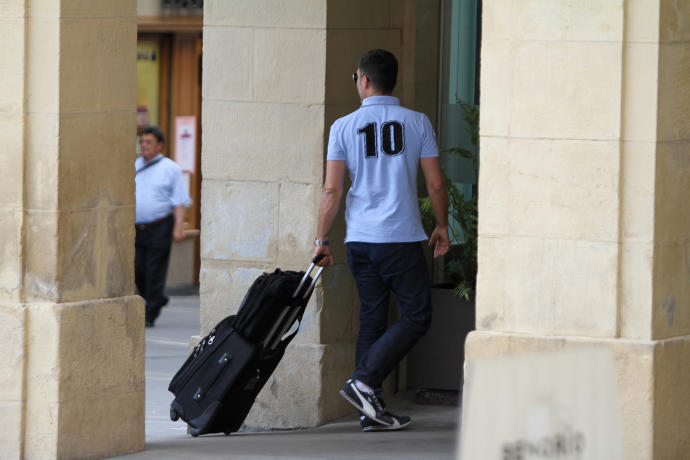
(460, 263)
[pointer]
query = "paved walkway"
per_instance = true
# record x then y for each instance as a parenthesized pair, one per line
(432, 434)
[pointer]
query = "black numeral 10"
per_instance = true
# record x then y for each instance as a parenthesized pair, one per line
(392, 136)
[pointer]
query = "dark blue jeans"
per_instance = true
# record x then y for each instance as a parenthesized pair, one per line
(378, 269)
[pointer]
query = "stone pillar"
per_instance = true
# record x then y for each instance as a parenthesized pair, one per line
(585, 176)
(276, 74)
(72, 353)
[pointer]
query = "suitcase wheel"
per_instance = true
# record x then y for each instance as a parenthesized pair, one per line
(195, 432)
(174, 416)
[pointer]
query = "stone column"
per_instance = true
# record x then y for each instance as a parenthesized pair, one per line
(72, 354)
(276, 74)
(585, 176)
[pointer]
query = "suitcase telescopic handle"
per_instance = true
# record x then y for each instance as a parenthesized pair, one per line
(307, 293)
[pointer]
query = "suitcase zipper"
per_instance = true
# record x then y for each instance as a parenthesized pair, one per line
(198, 360)
(222, 363)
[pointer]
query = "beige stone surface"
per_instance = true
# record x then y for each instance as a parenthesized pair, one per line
(636, 290)
(11, 8)
(271, 162)
(282, 57)
(275, 127)
(235, 45)
(671, 316)
(12, 56)
(41, 161)
(640, 80)
(287, 14)
(12, 360)
(562, 403)
(40, 257)
(304, 366)
(671, 402)
(673, 24)
(98, 171)
(642, 20)
(10, 250)
(243, 217)
(11, 161)
(43, 8)
(548, 99)
(297, 220)
(580, 20)
(638, 166)
(85, 374)
(674, 92)
(637, 383)
(42, 85)
(497, 68)
(550, 188)
(672, 178)
(549, 287)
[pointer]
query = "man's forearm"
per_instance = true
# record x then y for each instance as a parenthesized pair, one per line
(439, 204)
(179, 215)
(330, 203)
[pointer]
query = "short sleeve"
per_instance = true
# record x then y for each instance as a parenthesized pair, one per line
(429, 146)
(336, 152)
(179, 196)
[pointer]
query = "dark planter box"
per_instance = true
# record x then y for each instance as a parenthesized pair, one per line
(436, 360)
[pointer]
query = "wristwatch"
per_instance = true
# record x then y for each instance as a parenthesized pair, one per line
(320, 242)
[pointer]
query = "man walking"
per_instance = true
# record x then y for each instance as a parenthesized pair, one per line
(382, 146)
(161, 196)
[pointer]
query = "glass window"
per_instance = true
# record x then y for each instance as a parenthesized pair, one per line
(458, 115)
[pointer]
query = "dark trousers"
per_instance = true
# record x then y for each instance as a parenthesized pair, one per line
(152, 244)
(378, 269)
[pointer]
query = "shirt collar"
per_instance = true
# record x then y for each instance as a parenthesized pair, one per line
(156, 158)
(387, 100)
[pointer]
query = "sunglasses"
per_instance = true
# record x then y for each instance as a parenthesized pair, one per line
(354, 77)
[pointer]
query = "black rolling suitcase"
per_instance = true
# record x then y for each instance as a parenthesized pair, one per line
(218, 383)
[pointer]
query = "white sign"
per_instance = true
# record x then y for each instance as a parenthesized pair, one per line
(549, 406)
(185, 143)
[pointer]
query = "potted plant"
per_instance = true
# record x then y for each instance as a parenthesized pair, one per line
(453, 297)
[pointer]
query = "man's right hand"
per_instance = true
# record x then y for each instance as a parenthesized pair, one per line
(440, 241)
(326, 250)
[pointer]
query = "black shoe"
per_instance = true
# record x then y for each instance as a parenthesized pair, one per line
(148, 323)
(368, 403)
(368, 424)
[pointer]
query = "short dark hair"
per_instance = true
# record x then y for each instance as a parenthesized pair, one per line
(381, 68)
(155, 130)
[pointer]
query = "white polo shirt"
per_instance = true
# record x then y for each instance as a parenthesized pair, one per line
(381, 144)
(159, 189)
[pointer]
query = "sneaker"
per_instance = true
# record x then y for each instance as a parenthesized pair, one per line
(368, 403)
(368, 424)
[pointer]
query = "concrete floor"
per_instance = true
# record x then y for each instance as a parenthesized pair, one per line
(432, 434)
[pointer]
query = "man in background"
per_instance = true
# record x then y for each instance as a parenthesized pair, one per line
(161, 197)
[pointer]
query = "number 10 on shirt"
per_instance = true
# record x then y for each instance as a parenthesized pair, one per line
(392, 137)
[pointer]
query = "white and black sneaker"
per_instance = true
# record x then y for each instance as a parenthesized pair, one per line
(368, 424)
(368, 403)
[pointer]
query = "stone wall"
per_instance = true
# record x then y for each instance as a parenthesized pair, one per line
(73, 352)
(583, 236)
